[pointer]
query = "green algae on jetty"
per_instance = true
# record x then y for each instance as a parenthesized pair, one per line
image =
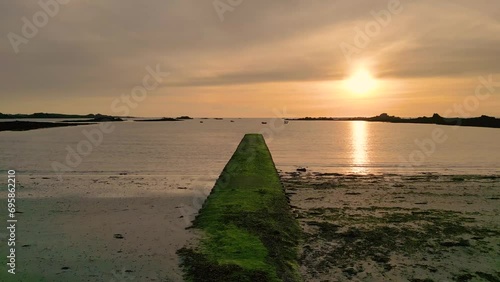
(248, 230)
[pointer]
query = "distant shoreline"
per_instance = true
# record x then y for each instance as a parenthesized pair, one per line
(482, 121)
(32, 125)
(96, 119)
(158, 120)
(53, 116)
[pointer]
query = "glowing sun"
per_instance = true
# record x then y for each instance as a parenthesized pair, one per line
(360, 82)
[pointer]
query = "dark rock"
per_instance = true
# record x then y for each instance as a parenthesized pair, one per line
(118, 236)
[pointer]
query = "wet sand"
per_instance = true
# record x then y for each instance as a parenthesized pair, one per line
(103, 228)
(426, 227)
(358, 228)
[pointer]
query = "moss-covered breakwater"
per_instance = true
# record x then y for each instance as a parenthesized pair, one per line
(249, 232)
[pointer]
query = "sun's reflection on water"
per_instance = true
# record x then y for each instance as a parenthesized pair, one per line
(360, 158)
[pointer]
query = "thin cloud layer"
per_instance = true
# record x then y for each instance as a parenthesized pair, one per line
(91, 52)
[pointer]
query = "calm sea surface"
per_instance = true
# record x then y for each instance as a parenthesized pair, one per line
(194, 148)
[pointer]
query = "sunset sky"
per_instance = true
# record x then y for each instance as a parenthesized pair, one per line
(255, 58)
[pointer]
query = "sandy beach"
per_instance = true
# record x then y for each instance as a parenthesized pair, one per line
(425, 227)
(357, 227)
(102, 228)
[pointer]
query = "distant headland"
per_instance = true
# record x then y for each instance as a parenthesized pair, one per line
(482, 121)
(22, 124)
(31, 125)
(52, 116)
(89, 117)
